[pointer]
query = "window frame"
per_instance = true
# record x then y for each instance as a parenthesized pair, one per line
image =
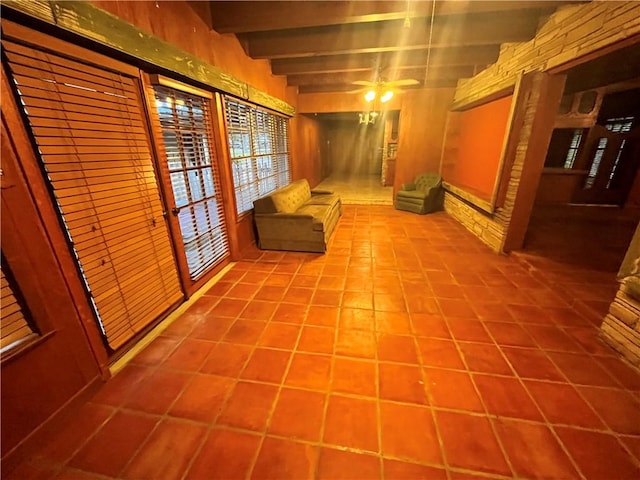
(26, 318)
(205, 154)
(263, 158)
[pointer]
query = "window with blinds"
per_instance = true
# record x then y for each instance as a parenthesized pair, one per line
(88, 125)
(190, 156)
(259, 151)
(14, 327)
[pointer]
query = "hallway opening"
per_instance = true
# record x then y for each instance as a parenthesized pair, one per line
(358, 158)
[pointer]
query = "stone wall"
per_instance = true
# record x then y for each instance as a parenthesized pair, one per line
(480, 223)
(621, 326)
(570, 33)
(492, 228)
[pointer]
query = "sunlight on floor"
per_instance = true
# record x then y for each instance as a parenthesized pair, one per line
(358, 189)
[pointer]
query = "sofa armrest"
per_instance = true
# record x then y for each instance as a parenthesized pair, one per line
(321, 192)
(408, 186)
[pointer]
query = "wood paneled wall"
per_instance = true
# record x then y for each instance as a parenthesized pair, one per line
(306, 139)
(423, 116)
(181, 24)
(421, 130)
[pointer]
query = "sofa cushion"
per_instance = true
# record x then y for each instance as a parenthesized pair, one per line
(425, 181)
(292, 197)
(419, 194)
(323, 199)
(291, 218)
(320, 213)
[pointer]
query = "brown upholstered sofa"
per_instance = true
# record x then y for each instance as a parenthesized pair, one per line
(296, 218)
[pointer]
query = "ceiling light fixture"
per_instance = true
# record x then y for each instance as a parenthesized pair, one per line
(387, 96)
(368, 117)
(370, 95)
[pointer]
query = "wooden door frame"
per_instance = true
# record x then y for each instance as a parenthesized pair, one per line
(189, 286)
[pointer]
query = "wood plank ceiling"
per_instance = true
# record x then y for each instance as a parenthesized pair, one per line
(324, 46)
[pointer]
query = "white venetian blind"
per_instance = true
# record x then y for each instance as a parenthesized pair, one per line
(184, 126)
(88, 126)
(259, 151)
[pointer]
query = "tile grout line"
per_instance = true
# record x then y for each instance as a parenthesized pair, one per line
(343, 255)
(520, 381)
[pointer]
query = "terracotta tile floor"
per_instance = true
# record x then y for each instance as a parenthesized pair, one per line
(408, 351)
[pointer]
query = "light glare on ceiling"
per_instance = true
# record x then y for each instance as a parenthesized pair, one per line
(387, 96)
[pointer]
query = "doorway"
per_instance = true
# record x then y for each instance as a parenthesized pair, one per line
(588, 199)
(352, 160)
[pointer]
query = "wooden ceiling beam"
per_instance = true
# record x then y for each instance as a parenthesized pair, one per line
(261, 16)
(481, 29)
(471, 55)
(243, 17)
(347, 78)
(342, 88)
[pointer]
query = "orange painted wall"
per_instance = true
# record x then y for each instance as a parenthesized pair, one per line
(472, 162)
(421, 128)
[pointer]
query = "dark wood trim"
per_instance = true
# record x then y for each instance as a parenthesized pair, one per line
(478, 29)
(226, 176)
(452, 56)
(164, 182)
(189, 286)
(97, 25)
(238, 17)
(265, 100)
